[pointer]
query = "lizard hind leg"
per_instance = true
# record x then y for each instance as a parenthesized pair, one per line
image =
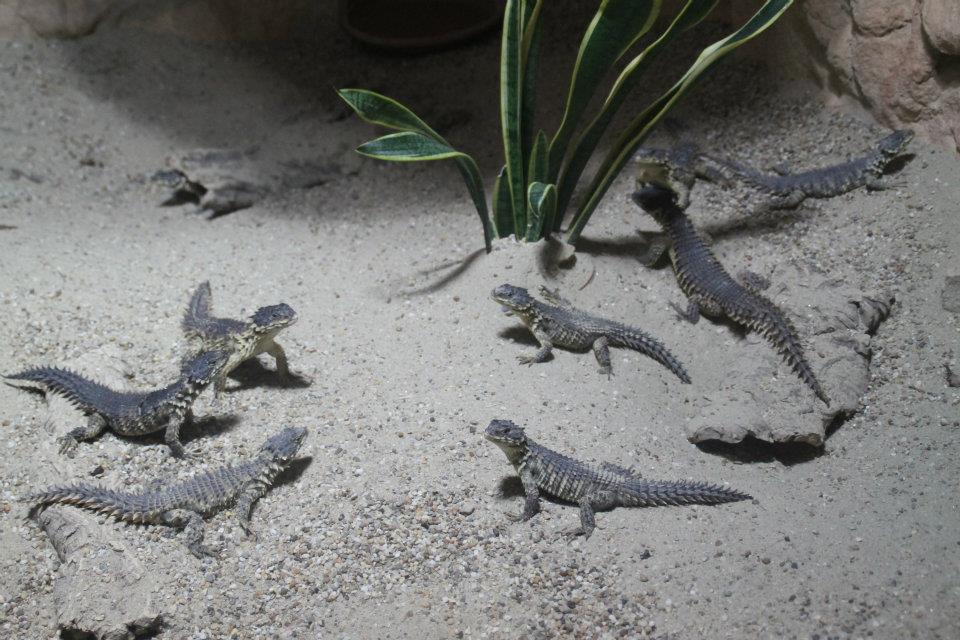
(96, 424)
(691, 314)
(601, 349)
(588, 522)
(192, 525)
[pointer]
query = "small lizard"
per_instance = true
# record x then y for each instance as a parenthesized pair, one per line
(591, 487)
(184, 505)
(560, 324)
(241, 339)
(129, 413)
(711, 290)
(787, 190)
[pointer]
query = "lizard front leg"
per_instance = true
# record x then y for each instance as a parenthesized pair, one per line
(96, 424)
(245, 505)
(280, 357)
(531, 503)
(543, 353)
(171, 436)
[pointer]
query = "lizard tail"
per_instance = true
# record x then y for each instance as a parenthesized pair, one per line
(198, 310)
(84, 394)
(655, 493)
(651, 347)
(780, 332)
(91, 497)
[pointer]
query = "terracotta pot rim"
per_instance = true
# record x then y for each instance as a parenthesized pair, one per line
(425, 43)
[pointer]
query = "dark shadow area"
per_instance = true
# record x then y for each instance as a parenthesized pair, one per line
(520, 335)
(752, 450)
(294, 470)
(899, 163)
(252, 373)
(757, 223)
(618, 248)
(456, 269)
(511, 487)
(206, 427)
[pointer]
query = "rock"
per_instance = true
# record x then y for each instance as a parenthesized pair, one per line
(941, 24)
(950, 297)
(63, 18)
(765, 400)
(101, 589)
(880, 17)
(467, 508)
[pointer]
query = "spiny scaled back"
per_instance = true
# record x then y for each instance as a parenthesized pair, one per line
(560, 324)
(242, 339)
(130, 413)
(185, 504)
(710, 289)
(591, 487)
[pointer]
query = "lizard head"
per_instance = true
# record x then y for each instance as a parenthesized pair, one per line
(514, 299)
(660, 202)
(283, 446)
(203, 368)
(506, 435)
(894, 144)
(273, 318)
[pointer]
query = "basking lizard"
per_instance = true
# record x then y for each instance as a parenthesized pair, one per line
(592, 488)
(241, 339)
(129, 413)
(184, 505)
(560, 324)
(711, 290)
(787, 190)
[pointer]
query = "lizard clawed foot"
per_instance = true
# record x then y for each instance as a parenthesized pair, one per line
(250, 533)
(607, 371)
(68, 446)
(527, 358)
(680, 311)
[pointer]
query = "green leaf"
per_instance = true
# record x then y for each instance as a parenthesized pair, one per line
(635, 133)
(386, 112)
(502, 207)
(616, 26)
(411, 146)
(586, 143)
(542, 200)
(408, 146)
(537, 171)
(510, 89)
(530, 59)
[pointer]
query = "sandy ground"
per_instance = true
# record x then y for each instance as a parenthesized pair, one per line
(396, 527)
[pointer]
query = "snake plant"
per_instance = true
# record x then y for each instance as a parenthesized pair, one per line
(534, 190)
